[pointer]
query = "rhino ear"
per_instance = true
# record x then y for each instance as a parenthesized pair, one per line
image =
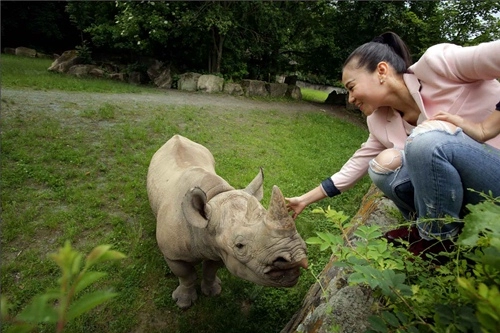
(256, 186)
(193, 207)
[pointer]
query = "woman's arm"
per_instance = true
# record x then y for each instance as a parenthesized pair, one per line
(483, 131)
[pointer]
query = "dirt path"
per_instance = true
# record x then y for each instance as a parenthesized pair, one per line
(57, 99)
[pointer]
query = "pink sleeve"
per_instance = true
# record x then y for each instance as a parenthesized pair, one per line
(357, 166)
(463, 64)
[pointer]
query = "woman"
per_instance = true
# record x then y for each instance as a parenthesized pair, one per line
(414, 152)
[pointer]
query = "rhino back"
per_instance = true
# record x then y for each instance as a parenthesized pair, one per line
(178, 166)
(167, 170)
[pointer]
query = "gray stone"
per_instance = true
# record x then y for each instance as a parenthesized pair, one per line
(232, 88)
(25, 52)
(277, 89)
(210, 83)
(254, 88)
(188, 81)
(294, 92)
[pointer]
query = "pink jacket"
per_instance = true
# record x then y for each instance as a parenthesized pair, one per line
(451, 78)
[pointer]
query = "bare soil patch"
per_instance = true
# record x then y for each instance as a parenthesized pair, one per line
(58, 100)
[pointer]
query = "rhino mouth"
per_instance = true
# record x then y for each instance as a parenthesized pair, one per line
(284, 272)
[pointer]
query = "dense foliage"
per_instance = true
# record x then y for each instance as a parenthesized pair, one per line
(246, 39)
(455, 291)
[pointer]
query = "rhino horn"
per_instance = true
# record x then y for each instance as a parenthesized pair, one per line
(277, 214)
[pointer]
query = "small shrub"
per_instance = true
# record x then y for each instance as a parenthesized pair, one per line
(59, 306)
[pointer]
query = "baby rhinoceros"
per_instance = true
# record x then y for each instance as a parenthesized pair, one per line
(201, 218)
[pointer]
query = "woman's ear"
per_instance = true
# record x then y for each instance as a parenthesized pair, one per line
(382, 68)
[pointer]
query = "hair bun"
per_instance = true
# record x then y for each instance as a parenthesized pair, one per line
(379, 39)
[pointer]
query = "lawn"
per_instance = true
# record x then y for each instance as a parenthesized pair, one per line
(77, 171)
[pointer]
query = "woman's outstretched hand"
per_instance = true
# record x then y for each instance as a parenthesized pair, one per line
(295, 205)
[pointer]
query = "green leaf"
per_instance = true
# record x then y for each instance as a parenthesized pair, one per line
(314, 241)
(102, 253)
(390, 318)
(482, 219)
(39, 311)
(94, 255)
(87, 279)
(21, 328)
(377, 324)
(88, 302)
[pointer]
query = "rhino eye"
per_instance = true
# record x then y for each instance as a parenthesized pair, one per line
(240, 246)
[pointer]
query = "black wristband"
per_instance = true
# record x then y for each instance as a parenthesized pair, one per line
(498, 106)
(330, 189)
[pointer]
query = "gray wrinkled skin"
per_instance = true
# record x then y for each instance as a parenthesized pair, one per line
(201, 218)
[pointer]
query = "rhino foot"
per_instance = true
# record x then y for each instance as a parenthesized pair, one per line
(184, 297)
(212, 289)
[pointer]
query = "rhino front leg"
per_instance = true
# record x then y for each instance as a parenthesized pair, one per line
(210, 285)
(185, 294)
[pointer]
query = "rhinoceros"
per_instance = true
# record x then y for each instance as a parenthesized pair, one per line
(201, 218)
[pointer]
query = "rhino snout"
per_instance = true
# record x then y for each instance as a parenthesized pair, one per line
(284, 272)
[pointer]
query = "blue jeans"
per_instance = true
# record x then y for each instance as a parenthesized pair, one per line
(438, 169)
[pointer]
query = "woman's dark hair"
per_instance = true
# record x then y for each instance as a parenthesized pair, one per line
(387, 47)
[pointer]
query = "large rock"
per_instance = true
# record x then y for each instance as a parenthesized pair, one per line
(337, 303)
(9, 50)
(160, 74)
(254, 88)
(67, 60)
(294, 92)
(232, 88)
(25, 52)
(337, 97)
(210, 83)
(188, 81)
(277, 89)
(81, 70)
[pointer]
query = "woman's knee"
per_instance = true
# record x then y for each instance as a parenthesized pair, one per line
(387, 161)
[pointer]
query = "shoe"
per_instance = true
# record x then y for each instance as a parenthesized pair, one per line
(409, 234)
(433, 247)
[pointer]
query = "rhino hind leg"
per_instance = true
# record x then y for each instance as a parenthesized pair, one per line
(185, 294)
(211, 284)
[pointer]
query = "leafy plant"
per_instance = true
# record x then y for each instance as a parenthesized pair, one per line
(59, 306)
(418, 295)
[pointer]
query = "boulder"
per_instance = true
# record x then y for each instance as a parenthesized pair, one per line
(97, 72)
(9, 50)
(337, 98)
(210, 83)
(232, 88)
(294, 92)
(25, 52)
(67, 60)
(254, 88)
(160, 74)
(81, 70)
(188, 81)
(136, 78)
(118, 77)
(277, 89)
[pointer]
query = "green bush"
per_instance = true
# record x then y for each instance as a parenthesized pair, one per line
(421, 295)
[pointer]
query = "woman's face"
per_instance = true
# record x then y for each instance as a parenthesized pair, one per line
(364, 88)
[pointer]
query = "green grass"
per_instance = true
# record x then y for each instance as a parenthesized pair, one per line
(313, 95)
(79, 174)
